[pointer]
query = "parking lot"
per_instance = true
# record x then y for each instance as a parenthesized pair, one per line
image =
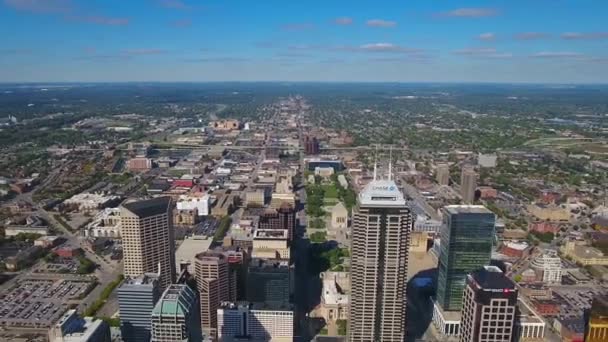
(574, 300)
(37, 303)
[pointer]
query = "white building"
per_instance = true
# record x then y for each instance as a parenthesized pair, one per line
(342, 181)
(529, 326)
(221, 171)
(427, 225)
(201, 204)
(105, 224)
(324, 171)
(487, 160)
(87, 201)
(549, 267)
(447, 322)
(261, 322)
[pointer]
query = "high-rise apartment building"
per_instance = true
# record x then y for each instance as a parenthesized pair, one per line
(213, 280)
(442, 174)
(466, 245)
(596, 320)
(175, 318)
(468, 184)
(147, 239)
(489, 307)
(381, 228)
(255, 321)
(136, 299)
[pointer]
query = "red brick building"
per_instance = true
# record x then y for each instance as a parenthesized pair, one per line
(546, 307)
(543, 227)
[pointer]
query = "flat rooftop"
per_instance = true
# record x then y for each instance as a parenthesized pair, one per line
(270, 234)
(527, 314)
(467, 209)
(188, 250)
(491, 277)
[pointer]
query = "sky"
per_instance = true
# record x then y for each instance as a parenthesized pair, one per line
(512, 41)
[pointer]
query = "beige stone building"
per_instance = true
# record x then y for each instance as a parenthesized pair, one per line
(214, 285)
(339, 216)
(147, 239)
(254, 199)
(271, 244)
(583, 254)
(335, 297)
(549, 212)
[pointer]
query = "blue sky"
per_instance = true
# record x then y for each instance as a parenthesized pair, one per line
(538, 41)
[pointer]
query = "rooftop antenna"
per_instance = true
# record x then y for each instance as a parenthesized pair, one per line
(375, 162)
(390, 163)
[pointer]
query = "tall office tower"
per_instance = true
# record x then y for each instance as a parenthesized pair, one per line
(255, 321)
(147, 239)
(136, 299)
(466, 245)
(442, 174)
(489, 308)
(175, 318)
(596, 320)
(269, 280)
(468, 184)
(212, 275)
(381, 228)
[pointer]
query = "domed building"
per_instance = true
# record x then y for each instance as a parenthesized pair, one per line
(548, 267)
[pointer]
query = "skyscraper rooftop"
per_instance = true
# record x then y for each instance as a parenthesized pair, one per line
(176, 301)
(467, 209)
(151, 207)
(384, 193)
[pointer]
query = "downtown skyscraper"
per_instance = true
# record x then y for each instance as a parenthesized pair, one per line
(381, 228)
(147, 239)
(466, 245)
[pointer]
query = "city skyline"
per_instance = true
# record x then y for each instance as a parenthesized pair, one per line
(181, 40)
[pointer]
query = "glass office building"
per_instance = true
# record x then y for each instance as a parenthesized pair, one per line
(466, 245)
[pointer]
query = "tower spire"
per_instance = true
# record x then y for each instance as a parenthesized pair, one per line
(390, 163)
(376, 162)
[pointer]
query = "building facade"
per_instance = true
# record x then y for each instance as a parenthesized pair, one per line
(147, 239)
(212, 275)
(466, 245)
(136, 299)
(381, 228)
(489, 307)
(468, 184)
(73, 328)
(596, 323)
(442, 174)
(269, 280)
(255, 322)
(175, 318)
(549, 267)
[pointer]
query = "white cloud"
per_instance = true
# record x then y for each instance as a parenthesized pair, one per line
(381, 23)
(490, 53)
(471, 13)
(486, 37)
(584, 35)
(557, 54)
(531, 35)
(343, 21)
